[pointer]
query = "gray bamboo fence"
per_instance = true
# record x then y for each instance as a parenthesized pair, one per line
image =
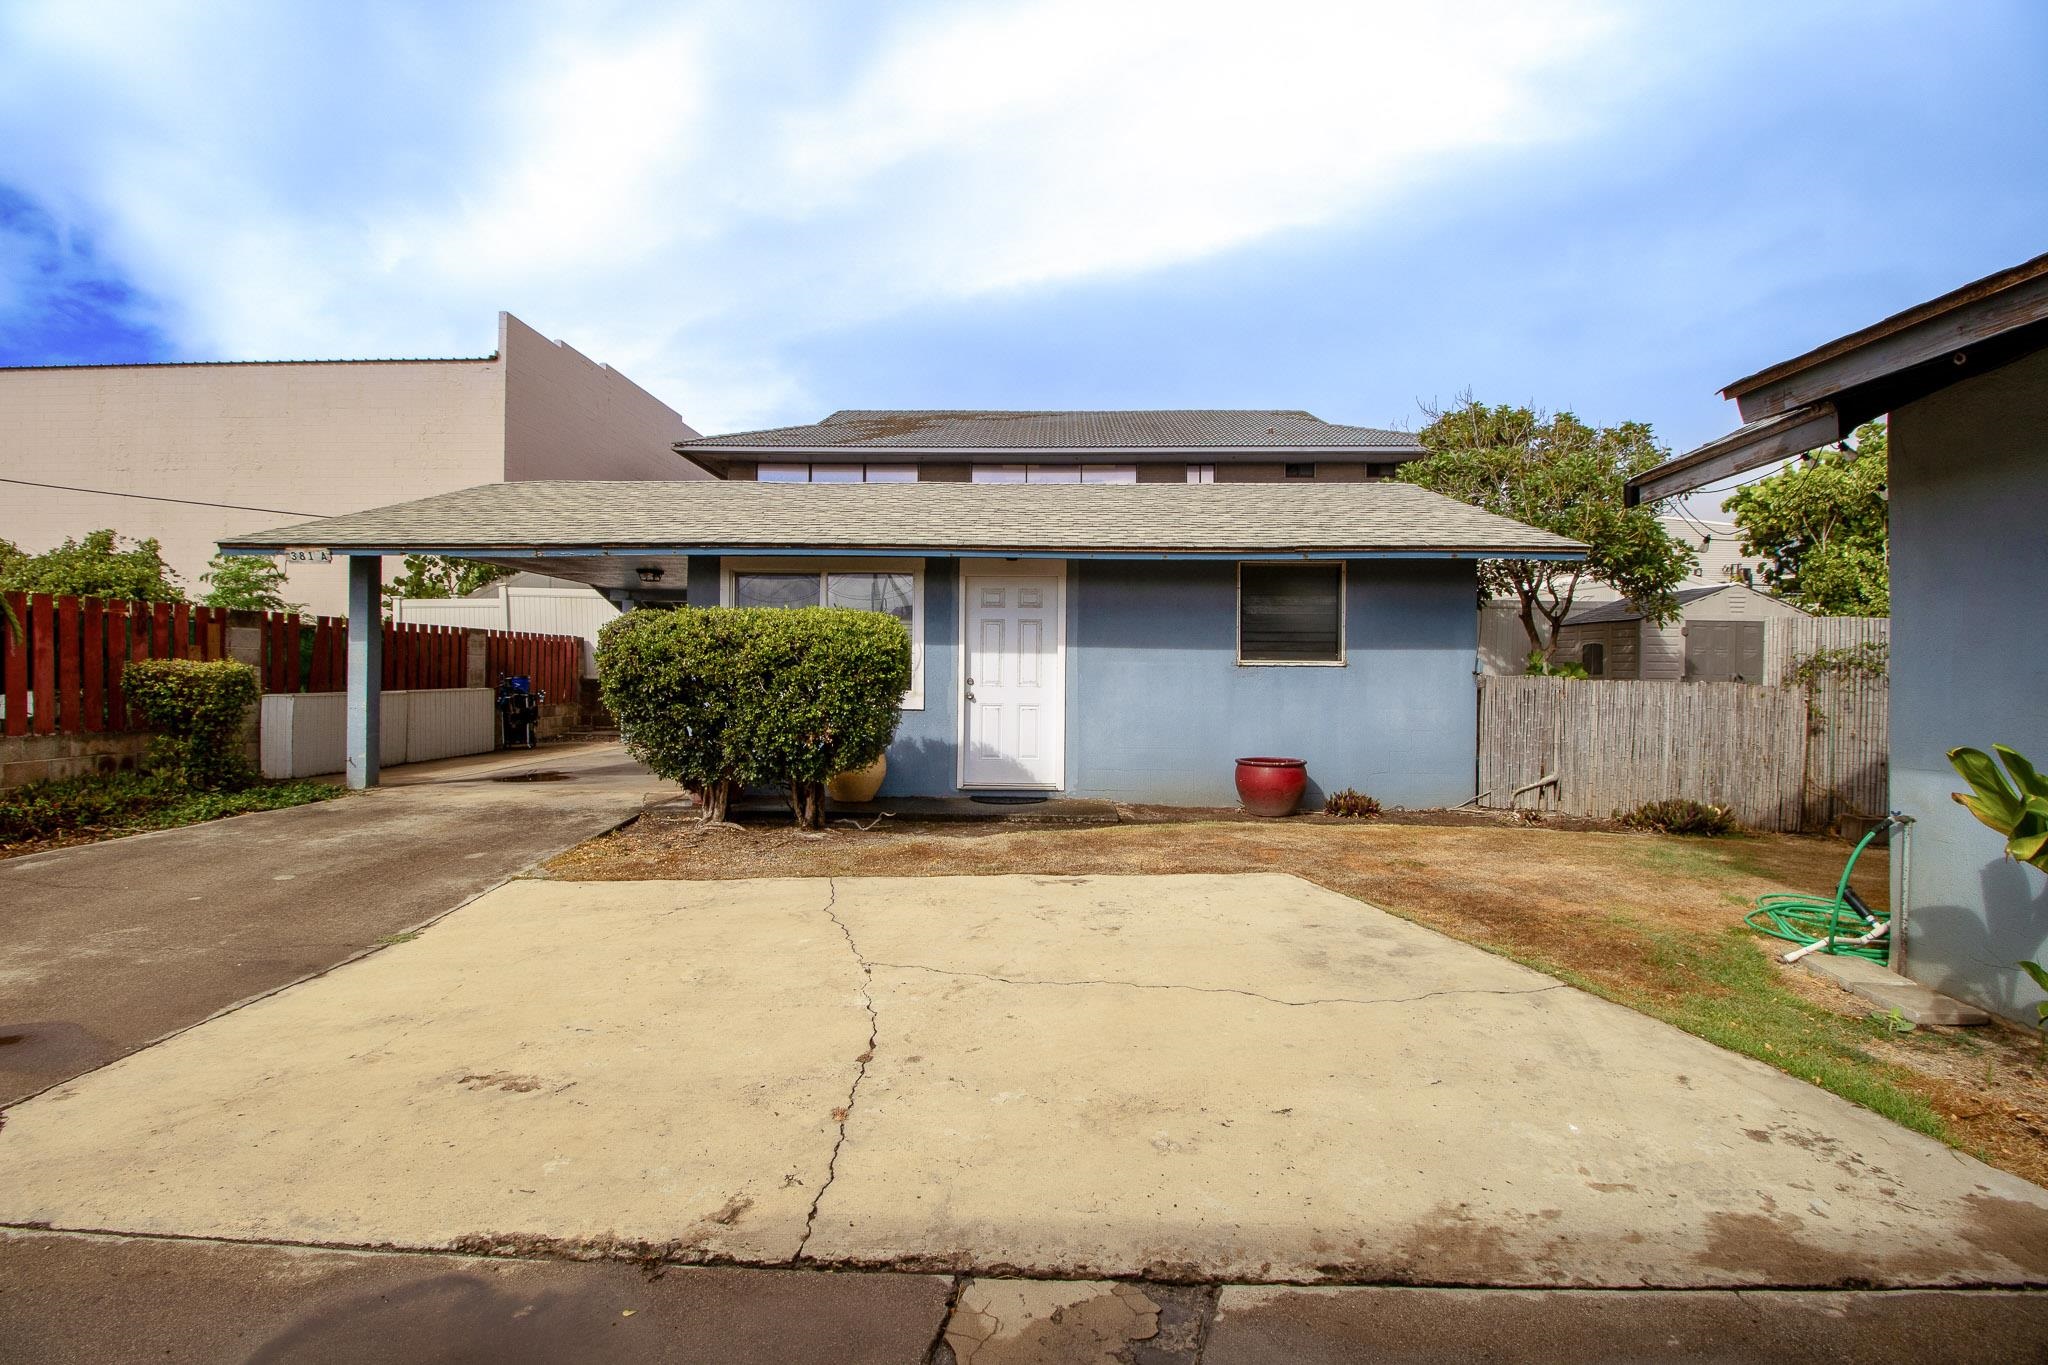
(1782, 758)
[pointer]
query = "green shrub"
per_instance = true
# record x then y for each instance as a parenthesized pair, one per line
(197, 710)
(1536, 666)
(1679, 817)
(116, 802)
(44, 810)
(1354, 804)
(719, 698)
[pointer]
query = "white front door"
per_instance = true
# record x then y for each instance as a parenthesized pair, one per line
(1013, 679)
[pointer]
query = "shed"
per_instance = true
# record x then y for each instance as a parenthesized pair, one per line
(1718, 636)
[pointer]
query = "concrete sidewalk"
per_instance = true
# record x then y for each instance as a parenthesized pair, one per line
(108, 946)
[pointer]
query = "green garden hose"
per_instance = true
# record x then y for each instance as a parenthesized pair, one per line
(1833, 923)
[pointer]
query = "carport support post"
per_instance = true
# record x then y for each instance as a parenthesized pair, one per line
(365, 667)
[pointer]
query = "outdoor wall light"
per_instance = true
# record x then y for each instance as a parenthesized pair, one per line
(650, 574)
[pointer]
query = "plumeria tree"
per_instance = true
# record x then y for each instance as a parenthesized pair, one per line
(1558, 473)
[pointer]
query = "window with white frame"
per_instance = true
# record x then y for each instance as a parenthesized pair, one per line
(1290, 613)
(1055, 473)
(1201, 473)
(887, 585)
(835, 473)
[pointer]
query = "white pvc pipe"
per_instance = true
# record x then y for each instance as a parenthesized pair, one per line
(1873, 936)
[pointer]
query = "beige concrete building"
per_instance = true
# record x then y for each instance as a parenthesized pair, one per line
(189, 453)
(1717, 544)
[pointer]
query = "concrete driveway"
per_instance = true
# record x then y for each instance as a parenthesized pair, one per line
(110, 945)
(1221, 1078)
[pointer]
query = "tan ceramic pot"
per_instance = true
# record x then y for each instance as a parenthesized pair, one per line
(859, 784)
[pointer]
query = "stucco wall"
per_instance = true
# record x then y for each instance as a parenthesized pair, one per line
(1968, 506)
(309, 440)
(568, 417)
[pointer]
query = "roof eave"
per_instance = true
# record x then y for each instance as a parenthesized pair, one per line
(264, 546)
(1773, 438)
(1985, 308)
(1138, 454)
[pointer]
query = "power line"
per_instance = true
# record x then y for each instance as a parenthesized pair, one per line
(152, 497)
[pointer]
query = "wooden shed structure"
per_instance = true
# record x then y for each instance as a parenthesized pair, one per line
(1718, 637)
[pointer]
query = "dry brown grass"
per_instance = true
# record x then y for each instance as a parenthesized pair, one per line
(1650, 921)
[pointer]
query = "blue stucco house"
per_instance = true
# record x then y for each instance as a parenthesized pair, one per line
(1964, 378)
(1110, 638)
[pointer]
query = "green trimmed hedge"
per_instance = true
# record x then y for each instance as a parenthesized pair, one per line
(719, 698)
(197, 710)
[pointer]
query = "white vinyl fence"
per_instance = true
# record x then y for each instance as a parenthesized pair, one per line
(1780, 757)
(305, 734)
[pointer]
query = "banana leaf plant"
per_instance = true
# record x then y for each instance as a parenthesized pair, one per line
(2018, 810)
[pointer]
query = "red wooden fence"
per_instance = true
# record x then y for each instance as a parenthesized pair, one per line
(62, 671)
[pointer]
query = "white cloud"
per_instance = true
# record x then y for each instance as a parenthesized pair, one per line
(679, 194)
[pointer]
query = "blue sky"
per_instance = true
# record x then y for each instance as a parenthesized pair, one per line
(763, 212)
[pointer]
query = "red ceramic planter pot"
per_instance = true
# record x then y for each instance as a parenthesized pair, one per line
(1271, 787)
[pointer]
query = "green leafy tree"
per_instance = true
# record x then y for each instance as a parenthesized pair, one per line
(440, 576)
(9, 552)
(1821, 527)
(247, 583)
(94, 567)
(1557, 473)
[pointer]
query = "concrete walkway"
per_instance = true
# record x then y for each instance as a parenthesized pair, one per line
(110, 945)
(1218, 1079)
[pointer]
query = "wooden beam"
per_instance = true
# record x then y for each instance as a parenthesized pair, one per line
(1912, 338)
(1793, 433)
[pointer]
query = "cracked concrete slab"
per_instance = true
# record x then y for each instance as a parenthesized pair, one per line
(553, 1065)
(1049, 1322)
(1191, 1077)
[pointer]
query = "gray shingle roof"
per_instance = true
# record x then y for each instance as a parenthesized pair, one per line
(1165, 429)
(1621, 609)
(925, 518)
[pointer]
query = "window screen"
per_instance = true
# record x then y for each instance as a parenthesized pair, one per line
(1290, 613)
(775, 590)
(885, 592)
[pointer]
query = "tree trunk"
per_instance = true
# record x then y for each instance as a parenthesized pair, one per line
(807, 803)
(717, 799)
